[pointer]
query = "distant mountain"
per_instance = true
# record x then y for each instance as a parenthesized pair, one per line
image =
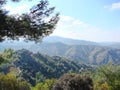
(111, 44)
(54, 39)
(76, 50)
(68, 41)
(16, 45)
(36, 65)
(83, 53)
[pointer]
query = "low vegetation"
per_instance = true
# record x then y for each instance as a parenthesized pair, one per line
(104, 77)
(73, 82)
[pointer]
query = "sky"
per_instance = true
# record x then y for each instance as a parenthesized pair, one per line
(91, 20)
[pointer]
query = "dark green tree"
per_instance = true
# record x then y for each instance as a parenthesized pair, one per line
(1, 59)
(32, 26)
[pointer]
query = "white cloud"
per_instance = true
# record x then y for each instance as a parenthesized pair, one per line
(70, 22)
(18, 9)
(113, 6)
(73, 28)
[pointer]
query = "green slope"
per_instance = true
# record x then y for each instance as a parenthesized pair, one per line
(32, 65)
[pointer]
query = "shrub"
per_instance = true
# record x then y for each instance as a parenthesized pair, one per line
(73, 82)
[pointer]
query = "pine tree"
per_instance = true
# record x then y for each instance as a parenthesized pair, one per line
(31, 26)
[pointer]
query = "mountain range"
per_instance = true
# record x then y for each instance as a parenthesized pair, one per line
(76, 50)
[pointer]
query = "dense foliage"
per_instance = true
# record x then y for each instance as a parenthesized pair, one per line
(34, 71)
(73, 82)
(6, 56)
(107, 77)
(9, 82)
(32, 26)
(46, 85)
(36, 65)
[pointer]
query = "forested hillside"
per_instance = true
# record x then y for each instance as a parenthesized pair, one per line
(25, 70)
(36, 67)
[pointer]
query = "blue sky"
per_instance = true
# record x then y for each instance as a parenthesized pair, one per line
(93, 20)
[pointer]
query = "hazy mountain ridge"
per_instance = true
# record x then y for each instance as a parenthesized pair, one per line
(87, 52)
(68, 41)
(83, 53)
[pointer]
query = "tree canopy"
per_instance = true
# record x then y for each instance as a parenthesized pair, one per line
(39, 22)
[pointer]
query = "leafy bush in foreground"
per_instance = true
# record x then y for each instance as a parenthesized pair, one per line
(107, 78)
(73, 82)
(9, 82)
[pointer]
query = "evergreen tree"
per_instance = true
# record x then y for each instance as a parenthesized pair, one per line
(33, 26)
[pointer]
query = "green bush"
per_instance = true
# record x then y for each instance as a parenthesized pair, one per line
(9, 82)
(108, 78)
